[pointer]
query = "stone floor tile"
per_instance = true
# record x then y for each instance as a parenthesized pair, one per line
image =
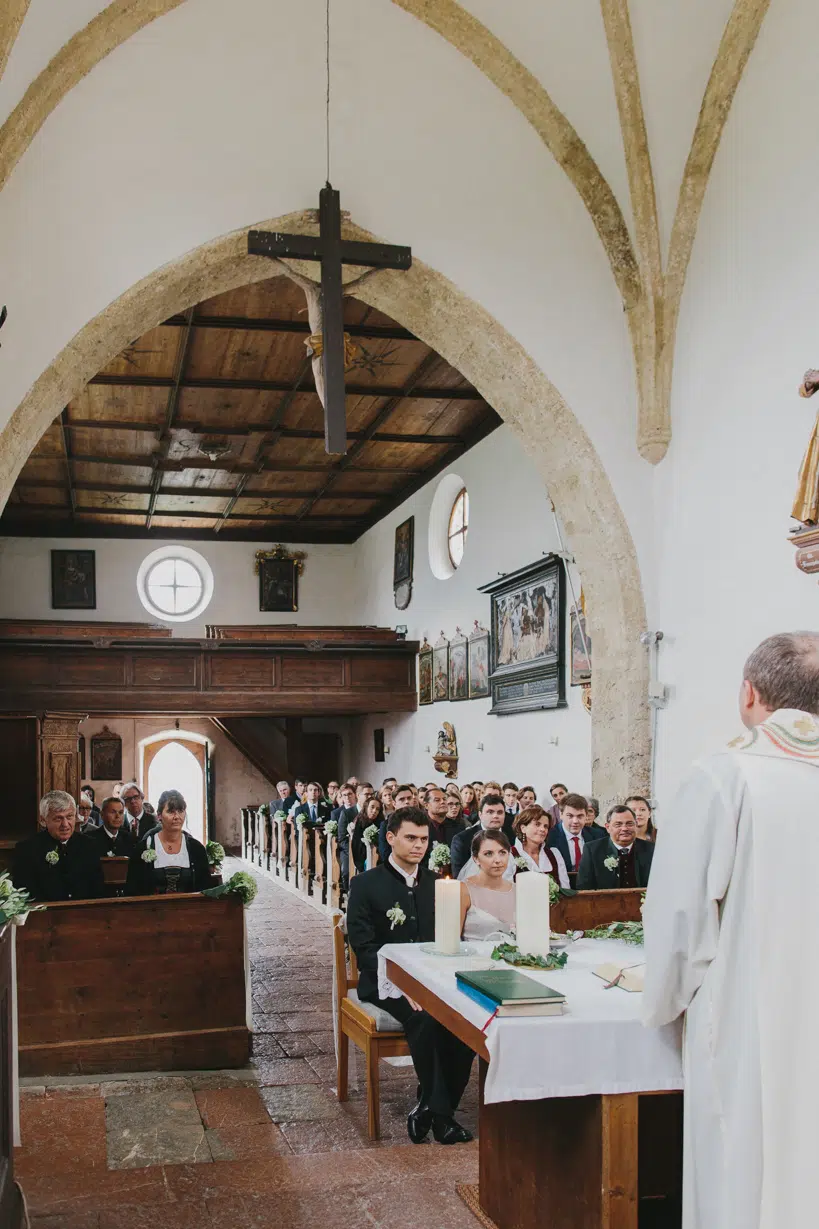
(159, 1128)
(308, 1021)
(80, 1126)
(247, 1141)
(292, 1045)
(324, 1042)
(149, 1084)
(269, 1045)
(272, 1071)
(66, 1220)
(192, 1215)
(300, 1103)
(231, 1107)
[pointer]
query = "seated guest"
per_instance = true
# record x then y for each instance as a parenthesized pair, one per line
(510, 800)
(452, 788)
(387, 798)
(371, 813)
(331, 792)
(488, 898)
(353, 781)
(642, 813)
(113, 838)
(344, 815)
(569, 837)
(404, 796)
(493, 787)
(300, 792)
(629, 859)
(390, 783)
(469, 802)
(58, 863)
(491, 818)
(140, 815)
(314, 810)
(85, 822)
(180, 862)
(363, 793)
(531, 832)
(592, 812)
(527, 796)
(558, 791)
(478, 787)
(455, 820)
(285, 800)
(442, 829)
(95, 811)
(442, 1062)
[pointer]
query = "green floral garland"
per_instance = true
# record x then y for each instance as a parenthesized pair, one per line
(241, 884)
(14, 902)
(510, 954)
(629, 932)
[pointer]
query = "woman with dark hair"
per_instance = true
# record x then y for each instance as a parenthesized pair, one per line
(488, 898)
(641, 808)
(469, 802)
(531, 830)
(455, 820)
(371, 813)
(167, 859)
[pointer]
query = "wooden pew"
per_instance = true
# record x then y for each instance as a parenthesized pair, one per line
(11, 1211)
(589, 909)
(334, 876)
(320, 876)
(282, 848)
(245, 834)
(139, 983)
(293, 853)
(114, 872)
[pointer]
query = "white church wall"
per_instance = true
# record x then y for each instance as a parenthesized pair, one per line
(326, 590)
(511, 525)
(485, 203)
(747, 333)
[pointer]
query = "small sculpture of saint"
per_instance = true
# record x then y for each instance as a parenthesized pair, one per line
(806, 504)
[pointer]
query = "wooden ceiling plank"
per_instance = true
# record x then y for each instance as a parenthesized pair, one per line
(68, 469)
(371, 332)
(279, 386)
(183, 349)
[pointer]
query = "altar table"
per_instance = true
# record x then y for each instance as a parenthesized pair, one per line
(133, 983)
(571, 1131)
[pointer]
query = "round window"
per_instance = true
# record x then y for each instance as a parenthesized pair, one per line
(458, 527)
(175, 583)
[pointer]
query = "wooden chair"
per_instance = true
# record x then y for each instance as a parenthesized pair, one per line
(367, 1026)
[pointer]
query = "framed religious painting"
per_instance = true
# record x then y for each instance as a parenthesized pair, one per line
(479, 663)
(425, 673)
(106, 756)
(73, 580)
(458, 667)
(528, 612)
(440, 670)
(581, 670)
(279, 571)
(402, 563)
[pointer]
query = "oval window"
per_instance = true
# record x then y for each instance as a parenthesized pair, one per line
(458, 527)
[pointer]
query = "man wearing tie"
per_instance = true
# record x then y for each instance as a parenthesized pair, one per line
(312, 812)
(623, 861)
(572, 835)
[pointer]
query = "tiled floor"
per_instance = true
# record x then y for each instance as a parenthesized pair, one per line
(269, 1146)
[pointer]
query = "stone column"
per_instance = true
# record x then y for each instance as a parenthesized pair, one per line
(60, 753)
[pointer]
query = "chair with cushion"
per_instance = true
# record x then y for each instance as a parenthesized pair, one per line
(371, 1028)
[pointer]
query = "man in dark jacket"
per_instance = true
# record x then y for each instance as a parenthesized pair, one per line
(140, 815)
(345, 816)
(572, 834)
(491, 816)
(403, 884)
(58, 863)
(113, 838)
(622, 861)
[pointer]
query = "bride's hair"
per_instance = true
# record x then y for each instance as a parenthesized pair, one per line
(494, 834)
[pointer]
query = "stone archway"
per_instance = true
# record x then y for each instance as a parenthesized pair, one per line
(471, 340)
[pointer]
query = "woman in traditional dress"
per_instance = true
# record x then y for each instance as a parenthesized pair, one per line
(531, 830)
(488, 898)
(168, 859)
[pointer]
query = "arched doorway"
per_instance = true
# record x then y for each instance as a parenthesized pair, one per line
(177, 763)
(471, 340)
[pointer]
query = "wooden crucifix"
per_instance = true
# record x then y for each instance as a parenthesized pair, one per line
(333, 252)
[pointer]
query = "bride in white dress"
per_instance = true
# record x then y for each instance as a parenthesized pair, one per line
(488, 899)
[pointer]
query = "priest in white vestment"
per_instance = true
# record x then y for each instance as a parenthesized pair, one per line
(732, 939)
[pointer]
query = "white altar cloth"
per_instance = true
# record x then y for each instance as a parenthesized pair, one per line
(598, 1045)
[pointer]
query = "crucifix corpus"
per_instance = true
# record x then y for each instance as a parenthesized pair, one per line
(328, 344)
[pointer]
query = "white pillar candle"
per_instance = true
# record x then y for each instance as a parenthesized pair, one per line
(532, 913)
(448, 916)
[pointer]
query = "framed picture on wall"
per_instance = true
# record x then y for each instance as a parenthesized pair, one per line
(279, 570)
(581, 667)
(106, 756)
(458, 667)
(479, 663)
(440, 670)
(73, 580)
(425, 674)
(403, 554)
(528, 640)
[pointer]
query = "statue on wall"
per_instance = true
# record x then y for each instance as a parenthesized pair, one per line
(806, 504)
(445, 758)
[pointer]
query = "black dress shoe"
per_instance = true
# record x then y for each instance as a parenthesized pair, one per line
(419, 1120)
(448, 1131)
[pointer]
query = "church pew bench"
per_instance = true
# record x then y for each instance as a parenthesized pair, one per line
(586, 910)
(366, 1026)
(140, 983)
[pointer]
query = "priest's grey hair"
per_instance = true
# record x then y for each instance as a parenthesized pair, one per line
(55, 800)
(784, 671)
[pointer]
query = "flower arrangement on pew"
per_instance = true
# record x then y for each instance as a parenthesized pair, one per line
(370, 834)
(440, 857)
(331, 827)
(215, 852)
(15, 903)
(240, 884)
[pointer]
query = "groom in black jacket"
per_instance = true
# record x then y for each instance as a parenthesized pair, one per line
(58, 863)
(442, 1062)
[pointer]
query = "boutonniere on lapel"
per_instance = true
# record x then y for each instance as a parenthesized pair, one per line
(52, 857)
(111, 853)
(611, 863)
(149, 855)
(397, 916)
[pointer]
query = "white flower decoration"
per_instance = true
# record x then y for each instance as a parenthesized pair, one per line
(440, 855)
(52, 857)
(149, 855)
(521, 864)
(331, 827)
(370, 835)
(111, 853)
(397, 916)
(611, 863)
(280, 815)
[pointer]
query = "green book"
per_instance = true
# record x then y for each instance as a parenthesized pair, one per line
(509, 989)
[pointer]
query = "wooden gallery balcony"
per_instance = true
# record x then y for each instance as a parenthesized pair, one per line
(293, 671)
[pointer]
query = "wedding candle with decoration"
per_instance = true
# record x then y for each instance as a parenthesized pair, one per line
(448, 916)
(532, 913)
